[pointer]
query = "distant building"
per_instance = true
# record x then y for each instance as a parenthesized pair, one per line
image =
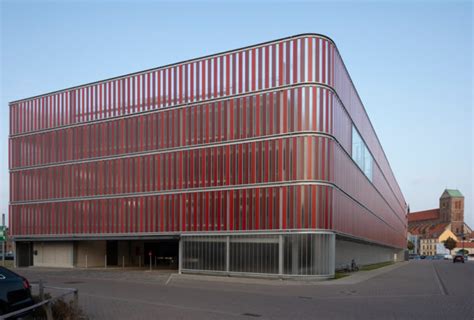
(415, 239)
(467, 246)
(450, 211)
(432, 240)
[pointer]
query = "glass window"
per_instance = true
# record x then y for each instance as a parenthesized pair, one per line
(368, 163)
(357, 148)
(361, 154)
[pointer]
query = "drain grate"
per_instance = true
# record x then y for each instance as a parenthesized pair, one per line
(73, 282)
(304, 297)
(255, 315)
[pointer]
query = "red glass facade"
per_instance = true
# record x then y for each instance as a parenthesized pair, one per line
(256, 139)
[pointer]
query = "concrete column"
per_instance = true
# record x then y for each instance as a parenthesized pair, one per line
(332, 254)
(180, 255)
(227, 253)
(15, 249)
(280, 254)
(295, 254)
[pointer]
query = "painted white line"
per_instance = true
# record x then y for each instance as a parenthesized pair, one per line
(169, 279)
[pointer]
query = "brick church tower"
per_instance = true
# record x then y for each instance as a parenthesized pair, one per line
(451, 208)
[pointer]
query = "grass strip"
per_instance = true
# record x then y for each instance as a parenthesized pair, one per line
(374, 266)
(339, 275)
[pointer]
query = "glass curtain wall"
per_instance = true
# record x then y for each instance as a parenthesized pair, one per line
(289, 254)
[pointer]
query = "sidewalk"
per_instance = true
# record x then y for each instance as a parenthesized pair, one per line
(360, 276)
(352, 278)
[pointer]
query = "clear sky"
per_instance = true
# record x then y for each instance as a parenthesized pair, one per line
(411, 63)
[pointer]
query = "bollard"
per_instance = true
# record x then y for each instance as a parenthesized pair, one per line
(49, 312)
(86, 261)
(123, 262)
(150, 263)
(41, 290)
(139, 261)
(76, 298)
(105, 261)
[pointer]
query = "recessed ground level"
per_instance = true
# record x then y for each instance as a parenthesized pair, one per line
(311, 254)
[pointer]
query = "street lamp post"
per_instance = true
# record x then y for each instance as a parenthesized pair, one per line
(463, 238)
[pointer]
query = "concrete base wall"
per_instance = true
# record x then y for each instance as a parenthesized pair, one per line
(90, 254)
(364, 254)
(53, 254)
(82, 254)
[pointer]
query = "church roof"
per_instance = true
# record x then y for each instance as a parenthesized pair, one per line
(428, 230)
(465, 243)
(454, 193)
(432, 214)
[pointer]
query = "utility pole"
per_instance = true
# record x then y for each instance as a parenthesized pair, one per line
(462, 239)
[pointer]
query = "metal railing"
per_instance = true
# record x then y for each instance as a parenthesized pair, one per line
(45, 303)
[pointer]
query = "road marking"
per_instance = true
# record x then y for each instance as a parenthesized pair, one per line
(440, 283)
(169, 279)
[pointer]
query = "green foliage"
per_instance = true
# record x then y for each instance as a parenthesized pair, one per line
(450, 244)
(410, 245)
(339, 275)
(375, 265)
(3, 233)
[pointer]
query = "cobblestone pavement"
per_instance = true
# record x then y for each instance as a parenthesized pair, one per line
(412, 290)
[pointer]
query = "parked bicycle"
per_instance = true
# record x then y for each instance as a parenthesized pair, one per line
(354, 266)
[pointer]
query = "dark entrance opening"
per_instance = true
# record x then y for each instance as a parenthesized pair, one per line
(24, 254)
(162, 254)
(112, 253)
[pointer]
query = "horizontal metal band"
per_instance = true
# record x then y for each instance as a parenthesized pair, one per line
(255, 232)
(181, 106)
(303, 133)
(349, 237)
(165, 235)
(178, 191)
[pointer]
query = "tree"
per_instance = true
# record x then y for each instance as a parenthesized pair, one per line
(450, 244)
(410, 245)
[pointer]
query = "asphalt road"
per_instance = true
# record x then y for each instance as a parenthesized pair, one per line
(412, 290)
